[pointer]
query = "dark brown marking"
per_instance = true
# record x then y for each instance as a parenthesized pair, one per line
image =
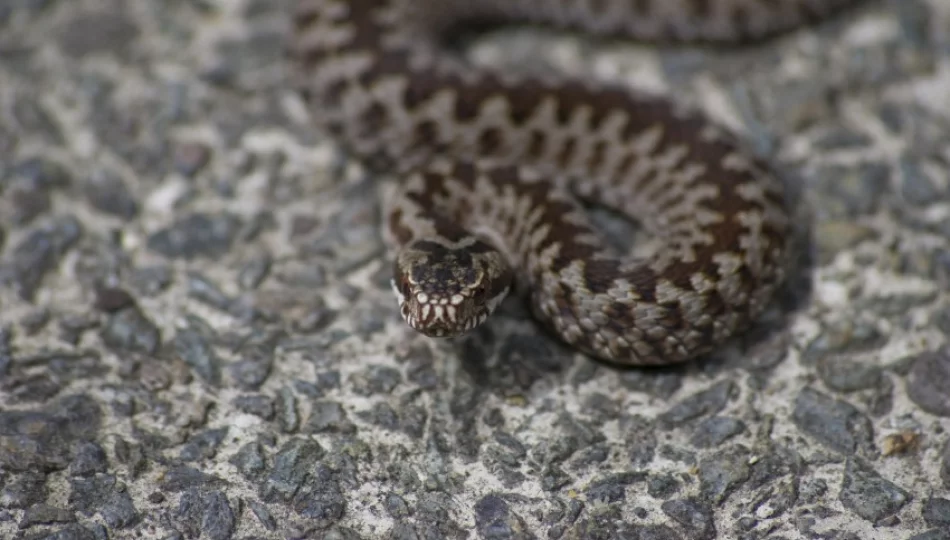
(402, 233)
(596, 159)
(642, 7)
(425, 133)
(700, 8)
(536, 145)
(374, 118)
(740, 18)
(567, 152)
(490, 140)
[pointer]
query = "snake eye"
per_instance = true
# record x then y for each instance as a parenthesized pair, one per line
(404, 286)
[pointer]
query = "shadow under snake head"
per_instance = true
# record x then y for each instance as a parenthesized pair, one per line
(446, 290)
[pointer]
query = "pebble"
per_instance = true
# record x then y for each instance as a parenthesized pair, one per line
(867, 494)
(928, 381)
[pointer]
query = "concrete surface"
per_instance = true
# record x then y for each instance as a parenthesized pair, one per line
(198, 338)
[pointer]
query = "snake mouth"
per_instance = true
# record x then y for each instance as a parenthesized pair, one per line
(435, 330)
(436, 326)
(445, 325)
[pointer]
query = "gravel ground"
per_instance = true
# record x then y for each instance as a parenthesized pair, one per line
(197, 336)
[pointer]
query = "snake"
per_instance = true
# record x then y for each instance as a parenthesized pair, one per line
(496, 170)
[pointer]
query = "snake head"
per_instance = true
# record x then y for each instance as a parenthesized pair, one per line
(446, 290)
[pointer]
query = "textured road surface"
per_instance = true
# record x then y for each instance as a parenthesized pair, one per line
(197, 338)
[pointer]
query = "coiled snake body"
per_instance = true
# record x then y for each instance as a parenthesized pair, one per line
(491, 164)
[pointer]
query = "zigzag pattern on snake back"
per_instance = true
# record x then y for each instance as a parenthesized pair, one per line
(492, 163)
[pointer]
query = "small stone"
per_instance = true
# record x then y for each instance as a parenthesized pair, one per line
(292, 466)
(202, 289)
(258, 405)
(23, 490)
(130, 455)
(328, 417)
(197, 352)
(716, 430)
(867, 494)
(203, 445)
(709, 401)
(844, 375)
(917, 187)
(108, 193)
(130, 330)
(100, 494)
(662, 486)
(836, 424)
(721, 473)
(37, 254)
(43, 514)
(320, 499)
(507, 449)
(831, 237)
(97, 32)
(197, 236)
(396, 506)
(190, 158)
(181, 478)
(217, 519)
(612, 488)
(90, 459)
(38, 441)
(376, 379)
(945, 465)
(495, 519)
(287, 416)
(695, 517)
(254, 271)
(263, 515)
(849, 191)
(151, 280)
(111, 300)
(249, 460)
(928, 381)
(936, 512)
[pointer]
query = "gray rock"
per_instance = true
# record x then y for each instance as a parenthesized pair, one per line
(936, 512)
(694, 517)
(130, 330)
(42, 514)
(867, 494)
(195, 349)
(716, 430)
(204, 445)
(495, 519)
(722, 473)
(90, 459)
(709, 401)
(23, 490)
(196, 235)
(102, 32)
(292, 466)
(328, 417)
(928, 381)
(44, 440)
(834, 423)
(37, 254)
(108, 193)
(183, 478)
(102, 494)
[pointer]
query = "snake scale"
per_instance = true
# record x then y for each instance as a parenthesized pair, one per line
(494, 166)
